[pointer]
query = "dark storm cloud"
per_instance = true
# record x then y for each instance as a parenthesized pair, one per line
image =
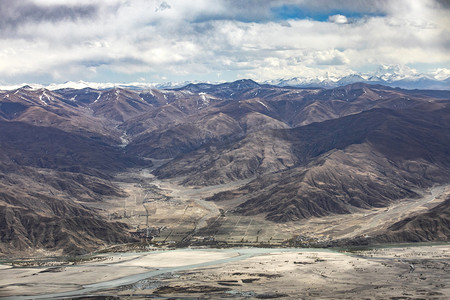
(444, 3)
(15, 13)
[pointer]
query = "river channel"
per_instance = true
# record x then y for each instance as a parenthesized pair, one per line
(231, 255)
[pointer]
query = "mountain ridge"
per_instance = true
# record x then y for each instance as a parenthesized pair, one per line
(395, 76)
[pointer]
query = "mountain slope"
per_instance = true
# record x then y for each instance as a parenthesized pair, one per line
(274, 150)
(360, 161)
(23, 230)
(171, 131)
(43, 209)
(430, 226)
(46, 176)
(47, 147)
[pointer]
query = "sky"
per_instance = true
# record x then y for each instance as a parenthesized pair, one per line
(54, 41)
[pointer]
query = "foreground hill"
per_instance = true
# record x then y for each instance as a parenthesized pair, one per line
(45, 177)
(43, 209)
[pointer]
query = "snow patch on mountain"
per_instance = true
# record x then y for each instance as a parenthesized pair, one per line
(390, 75)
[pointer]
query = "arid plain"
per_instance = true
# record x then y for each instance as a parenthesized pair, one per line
(250, 273)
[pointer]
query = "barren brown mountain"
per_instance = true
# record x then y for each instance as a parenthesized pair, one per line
(303, 153)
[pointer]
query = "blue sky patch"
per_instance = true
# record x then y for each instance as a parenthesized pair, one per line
(293, 12)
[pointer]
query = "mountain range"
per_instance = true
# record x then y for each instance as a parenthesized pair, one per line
(395, 76)
(303, 153)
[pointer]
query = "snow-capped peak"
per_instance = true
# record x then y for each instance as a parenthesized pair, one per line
(392, 73)
(441, 74)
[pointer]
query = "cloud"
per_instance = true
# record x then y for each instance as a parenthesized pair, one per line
(84, 39)
(163, 6)
(444, 3)
(16, 13)
(338, 19)
(330, 57)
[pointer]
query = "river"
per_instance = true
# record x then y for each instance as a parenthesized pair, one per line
(238, 254)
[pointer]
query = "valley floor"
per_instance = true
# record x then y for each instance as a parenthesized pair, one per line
(251, 273)
(174, 213)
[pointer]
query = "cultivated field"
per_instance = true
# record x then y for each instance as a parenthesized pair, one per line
(174, 213)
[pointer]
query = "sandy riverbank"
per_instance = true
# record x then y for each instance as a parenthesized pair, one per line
(245, 273)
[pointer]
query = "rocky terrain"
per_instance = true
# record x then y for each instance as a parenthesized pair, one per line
(70, 160)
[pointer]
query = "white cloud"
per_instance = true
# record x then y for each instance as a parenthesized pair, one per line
(338, 19)
(331, 57)
(191, 38)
